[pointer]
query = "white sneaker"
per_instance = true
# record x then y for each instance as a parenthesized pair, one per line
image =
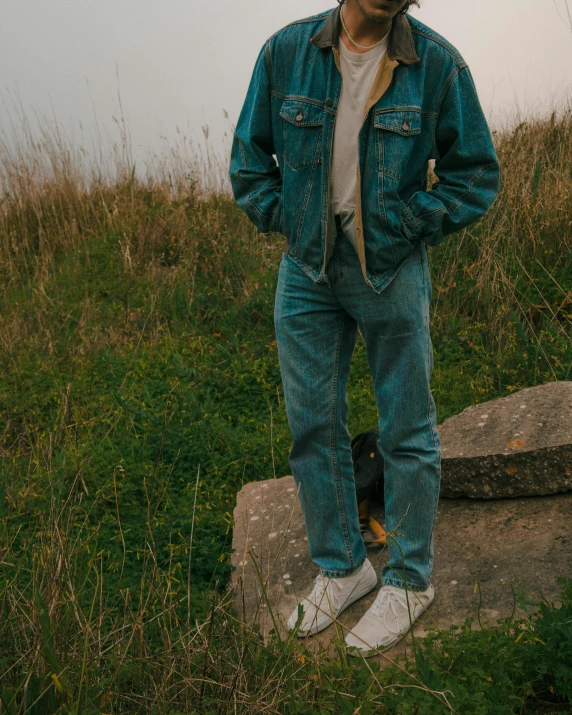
(330, 596)
(388, 619)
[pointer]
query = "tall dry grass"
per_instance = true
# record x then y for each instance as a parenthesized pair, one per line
(528, 228)
(72, 650)
(170, 219)
(177, 210)
(54, 195)
(66, 645)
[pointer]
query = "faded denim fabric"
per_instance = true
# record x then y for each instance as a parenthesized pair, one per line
(375, 277)
(316, 328)
(427, 108)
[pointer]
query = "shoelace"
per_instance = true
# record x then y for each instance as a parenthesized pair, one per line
(387, 600)
(320, 585)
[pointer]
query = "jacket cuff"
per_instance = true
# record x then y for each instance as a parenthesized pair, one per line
(277, 224)
(412, 226)
(430, 229)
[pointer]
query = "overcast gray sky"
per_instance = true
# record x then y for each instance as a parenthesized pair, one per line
(182, 62)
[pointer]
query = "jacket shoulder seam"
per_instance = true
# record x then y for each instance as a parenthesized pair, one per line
(443, 43)
(446, 87)
(268, 62)
(303, 21)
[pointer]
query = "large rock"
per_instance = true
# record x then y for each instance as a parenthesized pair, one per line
(514, 446)
(520, 445)
(495, 543)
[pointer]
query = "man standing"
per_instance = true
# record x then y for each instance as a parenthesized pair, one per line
(344, 111)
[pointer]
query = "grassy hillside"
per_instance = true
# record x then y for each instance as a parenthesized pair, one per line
(140, 385)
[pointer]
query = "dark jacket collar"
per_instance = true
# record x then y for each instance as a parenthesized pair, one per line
(400, 44)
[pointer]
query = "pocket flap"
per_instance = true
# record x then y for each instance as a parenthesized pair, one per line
(302, 114)
(406, 122)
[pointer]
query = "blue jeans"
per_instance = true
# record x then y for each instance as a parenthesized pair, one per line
(316, 329)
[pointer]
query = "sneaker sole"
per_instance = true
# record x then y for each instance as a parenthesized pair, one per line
(355, 596)
(375, 650)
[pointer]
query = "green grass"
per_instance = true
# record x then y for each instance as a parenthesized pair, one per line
(140, 389)
(166, 391)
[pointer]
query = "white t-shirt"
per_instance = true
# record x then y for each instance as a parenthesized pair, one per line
(358, 73)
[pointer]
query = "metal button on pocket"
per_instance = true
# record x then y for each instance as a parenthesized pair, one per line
(299, 117)
(329, 102)
(405, 126)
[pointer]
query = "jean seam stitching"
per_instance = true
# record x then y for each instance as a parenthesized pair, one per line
(333, 442)
(332, 573)
(380, 203)
(400, 583)
(307, 195)
(426, 278)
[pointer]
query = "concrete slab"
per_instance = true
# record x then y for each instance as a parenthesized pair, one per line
(520, 445)
(526, 541)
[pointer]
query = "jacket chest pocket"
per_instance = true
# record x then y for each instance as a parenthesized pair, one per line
(396, 131)
(303, 124)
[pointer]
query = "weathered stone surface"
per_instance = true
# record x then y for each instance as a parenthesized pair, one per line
(518, 541)
(520, 445)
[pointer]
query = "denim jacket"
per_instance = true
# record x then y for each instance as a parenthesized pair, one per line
(423, 105)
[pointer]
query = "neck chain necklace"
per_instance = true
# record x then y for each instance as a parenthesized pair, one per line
(351, 39)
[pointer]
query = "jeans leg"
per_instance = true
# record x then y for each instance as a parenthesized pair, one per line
(316, 338)
(395, 325)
